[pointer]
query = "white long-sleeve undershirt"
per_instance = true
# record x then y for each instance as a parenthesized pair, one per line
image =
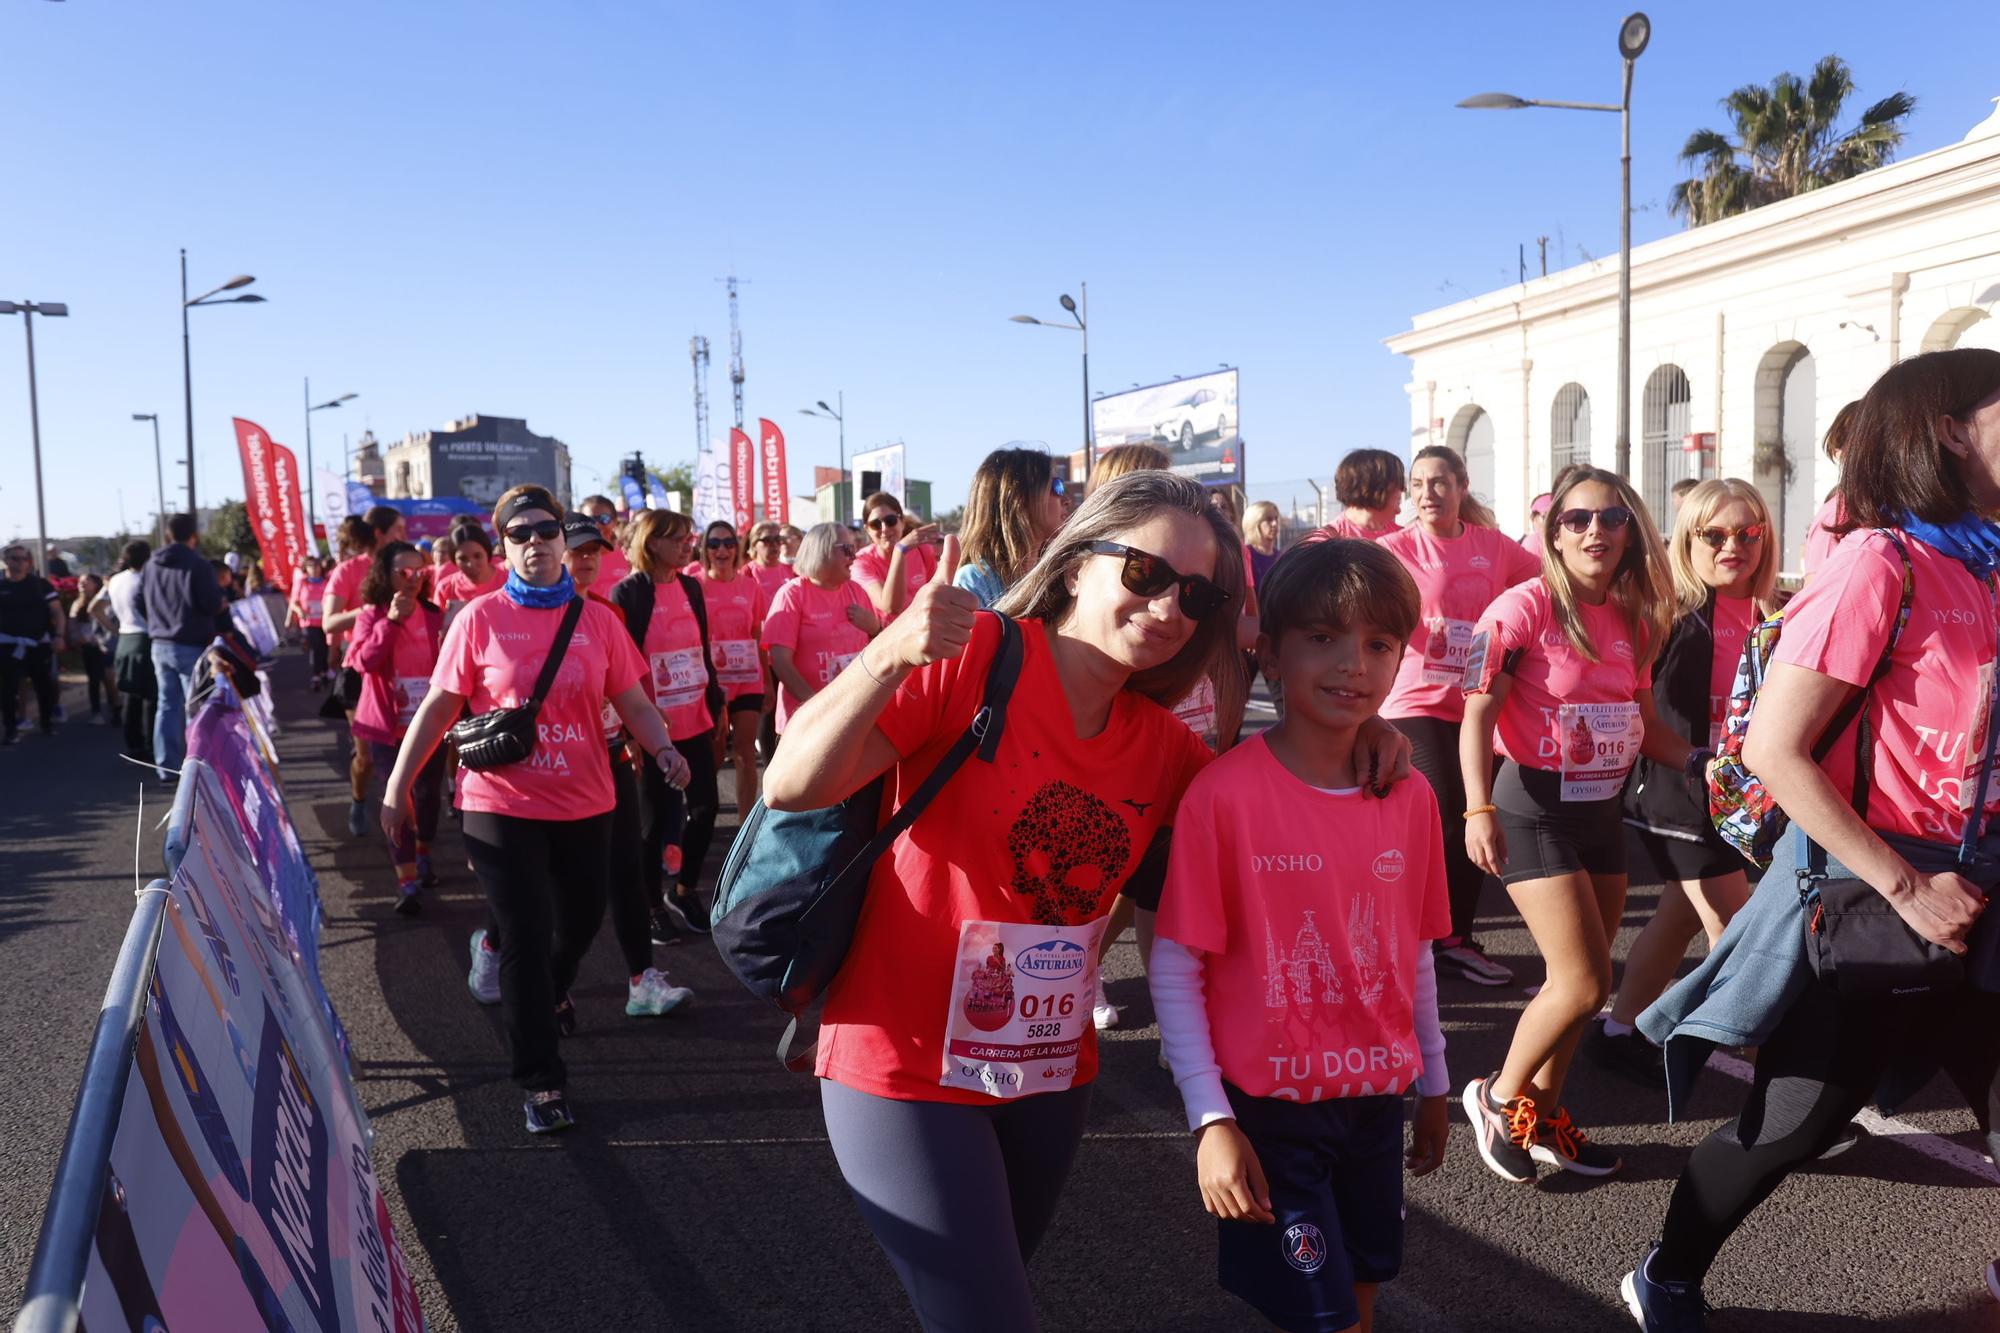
(1175, 972)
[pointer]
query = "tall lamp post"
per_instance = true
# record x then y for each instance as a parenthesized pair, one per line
(1082, 326)
(839, 415)
(312, 502)
(27, 310)
(187, 373)
(1633, 34)
(159, 470)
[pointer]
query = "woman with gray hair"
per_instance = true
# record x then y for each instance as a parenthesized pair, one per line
(818, 622)
(956, 1050)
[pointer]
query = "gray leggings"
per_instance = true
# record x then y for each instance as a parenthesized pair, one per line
(958, 1196)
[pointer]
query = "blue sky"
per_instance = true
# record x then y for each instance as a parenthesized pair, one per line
(520, 209)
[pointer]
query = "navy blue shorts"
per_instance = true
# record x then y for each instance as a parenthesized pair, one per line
(1335, 1169)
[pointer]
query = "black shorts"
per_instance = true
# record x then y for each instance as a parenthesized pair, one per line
(1686, 858)
(747, 703)
(1336, 1174)
(1548, 836)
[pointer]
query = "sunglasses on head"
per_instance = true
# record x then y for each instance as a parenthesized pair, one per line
(1716, 537)
(881, 521)
(1148, 575)
(522, 533)
(1610, 518)
(721, 543)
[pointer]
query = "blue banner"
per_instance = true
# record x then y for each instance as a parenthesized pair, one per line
(635, 494)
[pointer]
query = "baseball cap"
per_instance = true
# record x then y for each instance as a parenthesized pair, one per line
(580, 530)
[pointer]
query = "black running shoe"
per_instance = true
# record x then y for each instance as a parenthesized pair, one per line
(407, 901)
(1504, 1132)
(547, 1112)
(688, 911)
(357, 818)
(1629, 1055)
(566, 1016)
(1663, 1307)
(664, 931)
(1560, 1141)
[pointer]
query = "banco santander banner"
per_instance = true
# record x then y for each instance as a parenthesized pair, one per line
(742, 476)
(777, 492)
(271, 497)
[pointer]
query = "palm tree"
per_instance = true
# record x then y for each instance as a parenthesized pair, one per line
(1785, 144)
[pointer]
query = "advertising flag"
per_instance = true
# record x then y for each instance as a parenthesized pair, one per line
(777, 496)
(295, 534)
(261, 498)
(634, 493)
(742, 476)
(657, 495)
(711, 485)
(330, 496)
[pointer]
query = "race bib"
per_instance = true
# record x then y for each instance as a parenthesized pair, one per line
(678, 678)
(410, 692)
(1021, 996)
(1599, 745)
(832, 664)
(1447, 650)
(1969, 784)
(612, 723)
(1197, 710)
(736, 662)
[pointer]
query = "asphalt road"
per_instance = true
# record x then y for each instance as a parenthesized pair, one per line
(698, 1192)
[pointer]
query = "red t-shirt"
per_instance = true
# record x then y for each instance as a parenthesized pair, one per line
(1307, 906)
(673, 655)
(1046, 834)
(1456, 581)
(871, 569)
(812, 622)
(736, 609)
(492, 655)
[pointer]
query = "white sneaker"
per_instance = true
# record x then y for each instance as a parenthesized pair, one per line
(1103, 1013)
(484, 979)
(652, 993)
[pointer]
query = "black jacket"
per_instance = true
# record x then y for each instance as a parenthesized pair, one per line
(1657, 797)
(179, 596)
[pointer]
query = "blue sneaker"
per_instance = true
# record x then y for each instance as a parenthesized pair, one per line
(1663, 1307)
(547, 1112)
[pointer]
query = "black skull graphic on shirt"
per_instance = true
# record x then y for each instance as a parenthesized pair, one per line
(1068, 847)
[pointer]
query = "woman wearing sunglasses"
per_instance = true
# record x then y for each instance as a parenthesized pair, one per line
(899, 559)
(1559, 668)
(1460, 562)
(736, 609)
(667, 617)
(765, 557)
(819, 622)
(538, 831)
(1015, 505)
(1725, 568)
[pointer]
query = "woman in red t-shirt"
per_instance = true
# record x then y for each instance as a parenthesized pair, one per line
(538, 831)
(736, 606)
(956, 1049)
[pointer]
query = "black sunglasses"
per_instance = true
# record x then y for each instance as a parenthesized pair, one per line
(522, 533)
(1610, 518)
(769, 539)
(1746, 537)
(721, 543)
(883, 521)
(1148, 575)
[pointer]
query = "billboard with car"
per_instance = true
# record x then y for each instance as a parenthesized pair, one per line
(1194, 420)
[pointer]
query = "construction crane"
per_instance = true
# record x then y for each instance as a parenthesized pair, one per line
(698, 351)
(735, 348)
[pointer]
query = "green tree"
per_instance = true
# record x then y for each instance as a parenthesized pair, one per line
(229, 531)
(1786, 142)
(676, 477)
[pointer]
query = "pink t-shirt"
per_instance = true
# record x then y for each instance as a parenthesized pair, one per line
(1819, 541)
(309, 596)
(1735, 617)
(812, 622)
(492, 655)
(1456, 581)
(395, 659)
(771, 578)
(345, 583)
(1551, 676)
(611, 567)
(1929, 711)
(1347, 527)
(735, 616)
(673, 653)
(1308, 907)
(452, 586)
(871, 567)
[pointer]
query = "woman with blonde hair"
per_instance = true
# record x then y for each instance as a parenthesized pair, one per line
(1121, 459)
(1015, 506)
(1560, 668)
(1260, 538)
(1724, 556)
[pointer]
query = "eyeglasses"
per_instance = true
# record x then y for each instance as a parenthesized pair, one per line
(721, 543)
(847, 551)
(1610, 518)
(1148, 575)
(1058, 487)
(882, 521)
(1746, 537)
(522, 533)
(602, 520)
(769, 539)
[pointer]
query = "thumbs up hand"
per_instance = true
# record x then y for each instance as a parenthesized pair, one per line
(938, 622)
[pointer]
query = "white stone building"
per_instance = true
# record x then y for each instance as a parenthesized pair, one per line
(1747, 336)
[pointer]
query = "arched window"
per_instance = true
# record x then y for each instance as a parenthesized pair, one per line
(1788, 444)
(1569, 429)
(1664, 422)
(1471, 434)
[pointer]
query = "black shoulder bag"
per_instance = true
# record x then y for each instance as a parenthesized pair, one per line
(507, 735)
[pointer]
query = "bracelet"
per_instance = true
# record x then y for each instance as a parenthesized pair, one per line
(1486, 809)
(862, 658)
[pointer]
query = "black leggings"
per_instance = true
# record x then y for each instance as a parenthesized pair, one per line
(629, 923)
(1818, 1069)
(544, 881)
(316, 650)
(669, 816)
(1434, 751)
(95, 665)
(36, 665)
(958, 1196)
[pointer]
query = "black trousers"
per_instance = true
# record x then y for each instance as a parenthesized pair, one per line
(545, 884)
(1818, 1069)
(1434, 747)
(629, 922)
(687, 817)
(38, 666)
(316, 650)
(95, 665)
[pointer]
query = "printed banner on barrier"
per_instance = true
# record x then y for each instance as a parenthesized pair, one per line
(242, 1194)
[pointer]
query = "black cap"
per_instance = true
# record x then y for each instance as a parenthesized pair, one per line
(580, 530)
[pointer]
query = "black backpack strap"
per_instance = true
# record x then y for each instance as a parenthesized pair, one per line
(633, 595)
(553, 663)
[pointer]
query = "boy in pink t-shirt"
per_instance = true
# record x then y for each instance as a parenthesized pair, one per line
(1292, 970)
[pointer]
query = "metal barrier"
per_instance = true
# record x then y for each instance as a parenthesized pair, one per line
(52, 1301)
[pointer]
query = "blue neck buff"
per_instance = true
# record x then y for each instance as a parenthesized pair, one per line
(1968, 539)
(539, 597)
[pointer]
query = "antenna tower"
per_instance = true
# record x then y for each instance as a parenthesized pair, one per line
(698, 352)
(735, 348)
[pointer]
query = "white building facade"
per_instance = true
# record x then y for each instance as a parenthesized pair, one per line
(1747, 336)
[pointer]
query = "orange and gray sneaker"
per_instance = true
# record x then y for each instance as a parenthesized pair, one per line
(1505, 1132)
(1563, 1143)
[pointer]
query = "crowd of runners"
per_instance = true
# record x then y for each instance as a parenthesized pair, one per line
(1456, 705)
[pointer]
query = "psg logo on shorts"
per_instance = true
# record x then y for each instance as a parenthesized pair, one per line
(1305, 1248)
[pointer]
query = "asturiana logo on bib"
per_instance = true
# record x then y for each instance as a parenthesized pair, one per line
(1305, 1247)
(1051, 960)
(1389, 865)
